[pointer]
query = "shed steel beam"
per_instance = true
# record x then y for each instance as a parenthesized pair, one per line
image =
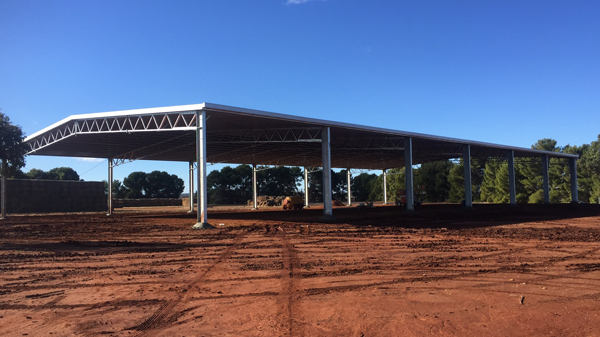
(410, 203)
(267, 136)
(512, 189)
(3, 196)
(306, 187)
(385, 187)
(202, 216)
(573, 169)
(191, 187)
(326, 151)
(110, 186)
(545, 179)
(467, 167)
(349, 184)
(254, 188)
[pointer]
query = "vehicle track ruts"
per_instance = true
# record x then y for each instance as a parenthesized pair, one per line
(168, 313)
(290, 281)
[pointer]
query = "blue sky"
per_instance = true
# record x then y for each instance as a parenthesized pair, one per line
(508, 72)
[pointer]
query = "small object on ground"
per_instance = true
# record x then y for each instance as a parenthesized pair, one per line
(304, 229)
(221, 224)
(294, 202)
(336, 202)
(522, 299)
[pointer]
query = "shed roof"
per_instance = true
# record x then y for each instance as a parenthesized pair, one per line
(245, 136)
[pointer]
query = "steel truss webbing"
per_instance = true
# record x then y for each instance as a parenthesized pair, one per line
(135, 123)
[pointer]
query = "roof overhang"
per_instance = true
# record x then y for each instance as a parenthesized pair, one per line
(245, 136)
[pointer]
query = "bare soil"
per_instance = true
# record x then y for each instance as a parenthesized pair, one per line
(493, 271)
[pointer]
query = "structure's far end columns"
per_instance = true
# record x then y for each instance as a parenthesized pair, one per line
(326, 151)
(545, 178)
(468, 187)
(349, 179)
(110, 186)
(306, 187)
(191, 187)
(512, 187)
(254, 188)
(202, 218)
(410, 203)
(574, 193)
(385, 187)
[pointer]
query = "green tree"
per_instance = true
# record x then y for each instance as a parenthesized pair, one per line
(456, 178)
(230, 185)
(396, 182)
(589, 171)
(20, 175)
(530, 171)
(160, 184)
(119, 191)
(488, 184)
(362, 185)
(38, 174)
(63, 173)
(57, 173)
(13, 150)
(280, 180)
(135, 183)
(433, 177)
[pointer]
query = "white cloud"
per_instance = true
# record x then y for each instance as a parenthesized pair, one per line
(90, 160)
(298, 2)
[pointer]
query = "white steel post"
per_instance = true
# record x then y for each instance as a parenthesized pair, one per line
(349, 179)
(512, 189)
(385, 187)
(306, 187)
(254, 188)
(574, 193)
(326, 154)
(191, 210)
(467, 167)
(545, 178)
(410, 204)
(110, 186)
(202, 217)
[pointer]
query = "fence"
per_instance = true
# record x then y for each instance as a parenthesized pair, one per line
(46, 196)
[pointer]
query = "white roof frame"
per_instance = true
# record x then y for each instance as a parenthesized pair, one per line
(245, 136)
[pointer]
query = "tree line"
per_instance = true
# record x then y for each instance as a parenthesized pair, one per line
(441, 181)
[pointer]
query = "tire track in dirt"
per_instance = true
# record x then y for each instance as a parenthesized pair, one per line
(291, 291)
(169, 312)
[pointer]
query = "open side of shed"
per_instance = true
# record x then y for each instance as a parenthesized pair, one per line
(214, 133)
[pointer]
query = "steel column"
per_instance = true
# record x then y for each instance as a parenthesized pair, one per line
(254, 188)
(410, 203)
(306, 187)
(349, 178)
(512, 189)
(191, 187)
(545, 178)
(202, 216)
(326, 154)
(574, 193)
(385, 187)
(3, 196)
(110, 186)
(467, 167)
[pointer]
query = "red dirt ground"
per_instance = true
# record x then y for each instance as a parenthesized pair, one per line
(494, 271)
